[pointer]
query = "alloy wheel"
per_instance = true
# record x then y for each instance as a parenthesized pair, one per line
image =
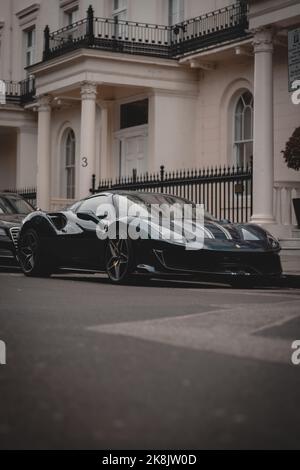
(117, 259)
(28, 251)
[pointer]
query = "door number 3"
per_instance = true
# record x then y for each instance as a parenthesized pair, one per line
(84, 163)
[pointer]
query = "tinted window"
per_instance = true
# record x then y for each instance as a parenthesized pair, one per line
(15, 205)
(93, 203)
(134, 114)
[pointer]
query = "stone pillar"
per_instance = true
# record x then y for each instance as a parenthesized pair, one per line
(87, 137)
(44, 153)
(263, 153)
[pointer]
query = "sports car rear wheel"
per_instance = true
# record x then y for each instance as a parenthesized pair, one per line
(119, 260)
(32, 261)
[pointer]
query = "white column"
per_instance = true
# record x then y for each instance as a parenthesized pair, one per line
(105, 157)
(263, 153)
(44, 153)
(87, 138)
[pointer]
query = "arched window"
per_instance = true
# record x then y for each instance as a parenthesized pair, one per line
(243, 130)
(69, 164)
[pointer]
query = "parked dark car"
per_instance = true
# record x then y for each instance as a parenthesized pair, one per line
(68, 239)
(13, 209)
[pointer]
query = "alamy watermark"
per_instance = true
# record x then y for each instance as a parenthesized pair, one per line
(2, 353)
(181, 223)
(2, 92)
(295, 358)
(296, 93)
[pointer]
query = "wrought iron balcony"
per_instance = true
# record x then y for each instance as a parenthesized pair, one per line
(21, 92)
(170, 42)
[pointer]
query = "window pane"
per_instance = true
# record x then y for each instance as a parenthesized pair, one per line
(93, 203)
(28, 59)
(248, 123)
(238, 133)
(29, 39)
(134, 114)
(239, 155)
(69, 182)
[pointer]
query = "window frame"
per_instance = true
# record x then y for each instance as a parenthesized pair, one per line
(69, 164)
(31, 50)
(241, 144)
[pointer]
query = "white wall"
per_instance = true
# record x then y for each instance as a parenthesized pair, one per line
(218, 92)
(26, 156)
(60, 121)
(171, 130)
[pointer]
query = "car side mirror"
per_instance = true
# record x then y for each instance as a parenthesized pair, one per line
(225, 221)
(87, 216)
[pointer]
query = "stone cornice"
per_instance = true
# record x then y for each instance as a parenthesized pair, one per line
(44, 103)
(88, 90)
(28, 10)
(263, 40)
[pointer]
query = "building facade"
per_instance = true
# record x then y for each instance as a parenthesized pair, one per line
(108, 86)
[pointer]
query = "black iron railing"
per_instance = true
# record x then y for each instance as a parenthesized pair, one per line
(20, 92)
(129, 37)
(226, 192)
(27, 193)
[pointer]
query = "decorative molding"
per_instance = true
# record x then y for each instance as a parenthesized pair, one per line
(28, 15)
(68, 4)
(88, 90)
(44, 103)
(271, 9)
(263, 40)
(203, 65)
(30, 10)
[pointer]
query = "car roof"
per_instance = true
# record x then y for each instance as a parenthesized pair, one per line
(8, 193)
(124, 192)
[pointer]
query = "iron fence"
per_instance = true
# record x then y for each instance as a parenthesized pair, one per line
(27, 193)
(130, 37)
(225, 192)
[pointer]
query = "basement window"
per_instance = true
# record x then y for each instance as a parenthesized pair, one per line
(134, 114)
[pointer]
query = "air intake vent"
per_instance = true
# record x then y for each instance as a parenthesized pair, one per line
(14, 233)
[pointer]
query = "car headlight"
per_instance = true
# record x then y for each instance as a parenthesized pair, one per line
(273, 242)
(2, 232)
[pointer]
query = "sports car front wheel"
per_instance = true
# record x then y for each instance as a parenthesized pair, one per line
(119, 260)
(32, 261)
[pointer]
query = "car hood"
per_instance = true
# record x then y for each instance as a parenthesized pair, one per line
(11, 220)
(223, 236)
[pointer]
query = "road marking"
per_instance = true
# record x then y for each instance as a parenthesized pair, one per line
(230, 331)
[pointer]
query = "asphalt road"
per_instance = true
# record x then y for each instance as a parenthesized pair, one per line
(165, 365)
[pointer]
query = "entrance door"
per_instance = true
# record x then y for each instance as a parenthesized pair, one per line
(133, 155)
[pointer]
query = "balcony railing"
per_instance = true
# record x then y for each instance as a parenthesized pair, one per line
(129, 37)
(21, 92)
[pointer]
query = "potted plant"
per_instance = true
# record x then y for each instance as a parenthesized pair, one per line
(291, 154)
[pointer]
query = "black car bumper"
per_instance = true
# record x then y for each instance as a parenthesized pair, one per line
(7, 252)
(208, 263)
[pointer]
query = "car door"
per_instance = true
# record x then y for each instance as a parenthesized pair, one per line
(89, 248)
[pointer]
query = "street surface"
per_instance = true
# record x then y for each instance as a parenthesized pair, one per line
(164, 365)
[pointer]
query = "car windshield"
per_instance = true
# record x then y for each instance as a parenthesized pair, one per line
(12, 204)
(147, 201)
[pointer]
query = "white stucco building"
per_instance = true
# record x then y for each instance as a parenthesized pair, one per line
(112, 96)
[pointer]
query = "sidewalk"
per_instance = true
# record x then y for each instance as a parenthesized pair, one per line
(291, 270)
(291, 264)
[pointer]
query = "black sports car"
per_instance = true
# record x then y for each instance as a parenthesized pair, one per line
(74, 239)
(13, 209)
